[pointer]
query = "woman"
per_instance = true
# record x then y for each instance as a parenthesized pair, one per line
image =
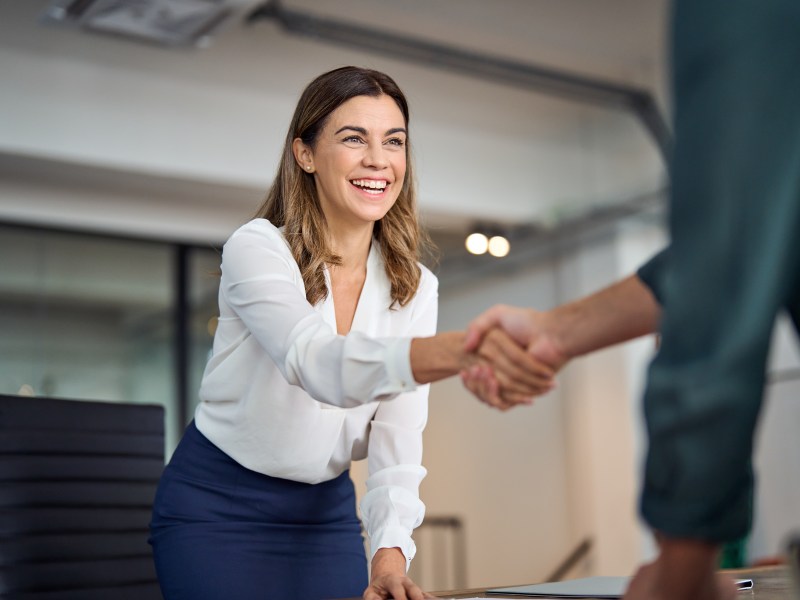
(314, 366)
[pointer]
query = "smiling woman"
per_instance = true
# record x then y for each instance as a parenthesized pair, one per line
(359, 164)
(321, 137)
(326, 337)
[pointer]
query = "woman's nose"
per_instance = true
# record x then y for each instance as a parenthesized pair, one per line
(375, 156)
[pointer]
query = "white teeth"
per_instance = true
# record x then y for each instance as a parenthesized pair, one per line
(370, 184)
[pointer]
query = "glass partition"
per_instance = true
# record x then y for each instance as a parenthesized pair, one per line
(203, 285)
(93, 318)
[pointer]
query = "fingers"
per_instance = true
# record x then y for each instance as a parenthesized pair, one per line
(397, 587)
(726, 588)
(480, 325)
(509, 373)
(516, 370)
(481, 382)
(506, 375)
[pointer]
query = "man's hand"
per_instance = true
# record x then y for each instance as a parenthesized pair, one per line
(684, 570)
(530, 330)
(513, 375)
(504, 374)
(620, 312)
(389, 579)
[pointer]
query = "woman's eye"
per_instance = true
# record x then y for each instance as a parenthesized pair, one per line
(396, 142)
(352, 138)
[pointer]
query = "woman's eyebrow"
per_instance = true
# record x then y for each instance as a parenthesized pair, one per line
(360, 130)
(363, 131)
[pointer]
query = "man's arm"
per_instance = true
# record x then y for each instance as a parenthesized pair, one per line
(623, 311)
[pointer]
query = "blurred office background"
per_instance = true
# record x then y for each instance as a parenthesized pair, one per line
(134, 141)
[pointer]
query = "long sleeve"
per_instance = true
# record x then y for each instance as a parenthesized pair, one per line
(391, 508)
(282, 393)
(263, 287)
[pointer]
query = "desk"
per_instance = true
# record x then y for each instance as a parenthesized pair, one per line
(769, 583)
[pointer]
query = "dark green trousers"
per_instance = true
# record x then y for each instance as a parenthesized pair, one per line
(733, 262)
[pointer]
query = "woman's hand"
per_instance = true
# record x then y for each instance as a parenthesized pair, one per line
(389, 579)
(398, 587)
(532, 334)
(511, 375)
(505, 374)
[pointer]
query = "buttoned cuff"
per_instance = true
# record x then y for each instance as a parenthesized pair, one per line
(398, 365)
(393, 537)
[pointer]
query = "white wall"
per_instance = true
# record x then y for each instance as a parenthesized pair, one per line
(220, 115)
(504, 474)
(600, 433)
(533, 483)
(777, 457)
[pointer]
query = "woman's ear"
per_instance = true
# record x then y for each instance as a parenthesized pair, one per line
(303, 155)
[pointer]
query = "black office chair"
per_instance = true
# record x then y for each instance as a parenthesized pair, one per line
(77, 481)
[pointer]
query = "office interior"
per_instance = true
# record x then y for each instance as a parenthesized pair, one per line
(126, 161)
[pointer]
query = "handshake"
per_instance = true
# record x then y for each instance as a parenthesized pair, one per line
(511, 355)
(507, 356)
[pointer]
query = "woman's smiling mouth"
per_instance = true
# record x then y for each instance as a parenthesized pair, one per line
(370, 186)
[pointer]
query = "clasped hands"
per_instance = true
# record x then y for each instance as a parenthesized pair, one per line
(512, 356)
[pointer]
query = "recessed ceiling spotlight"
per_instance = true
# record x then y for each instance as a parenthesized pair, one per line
(477, 243)
(499, 246)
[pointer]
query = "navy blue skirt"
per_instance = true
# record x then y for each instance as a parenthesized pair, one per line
(223, 532)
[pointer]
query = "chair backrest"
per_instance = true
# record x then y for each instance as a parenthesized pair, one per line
(77, 481)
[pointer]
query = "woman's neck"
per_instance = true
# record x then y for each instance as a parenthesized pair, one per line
(352, 245)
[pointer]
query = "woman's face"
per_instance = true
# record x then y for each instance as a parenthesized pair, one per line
(359, 162)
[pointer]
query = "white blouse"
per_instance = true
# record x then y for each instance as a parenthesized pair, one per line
(285, 395)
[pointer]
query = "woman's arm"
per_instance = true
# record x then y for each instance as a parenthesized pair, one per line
(520, 375)
(391, 507)
(263, 288)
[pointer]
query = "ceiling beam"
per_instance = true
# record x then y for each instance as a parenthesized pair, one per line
(545, 80)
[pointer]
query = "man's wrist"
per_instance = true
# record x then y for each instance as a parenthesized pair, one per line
(557, 325)
(682, 551)
(687, 566)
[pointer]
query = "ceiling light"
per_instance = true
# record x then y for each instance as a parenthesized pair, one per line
(166, 22)
(498, 246)
(477, 243)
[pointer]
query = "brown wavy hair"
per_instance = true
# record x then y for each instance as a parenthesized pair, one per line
(292, 201)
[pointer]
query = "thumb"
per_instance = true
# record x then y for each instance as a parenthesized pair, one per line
(478, 327)
(472, 339)
(543, 350)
